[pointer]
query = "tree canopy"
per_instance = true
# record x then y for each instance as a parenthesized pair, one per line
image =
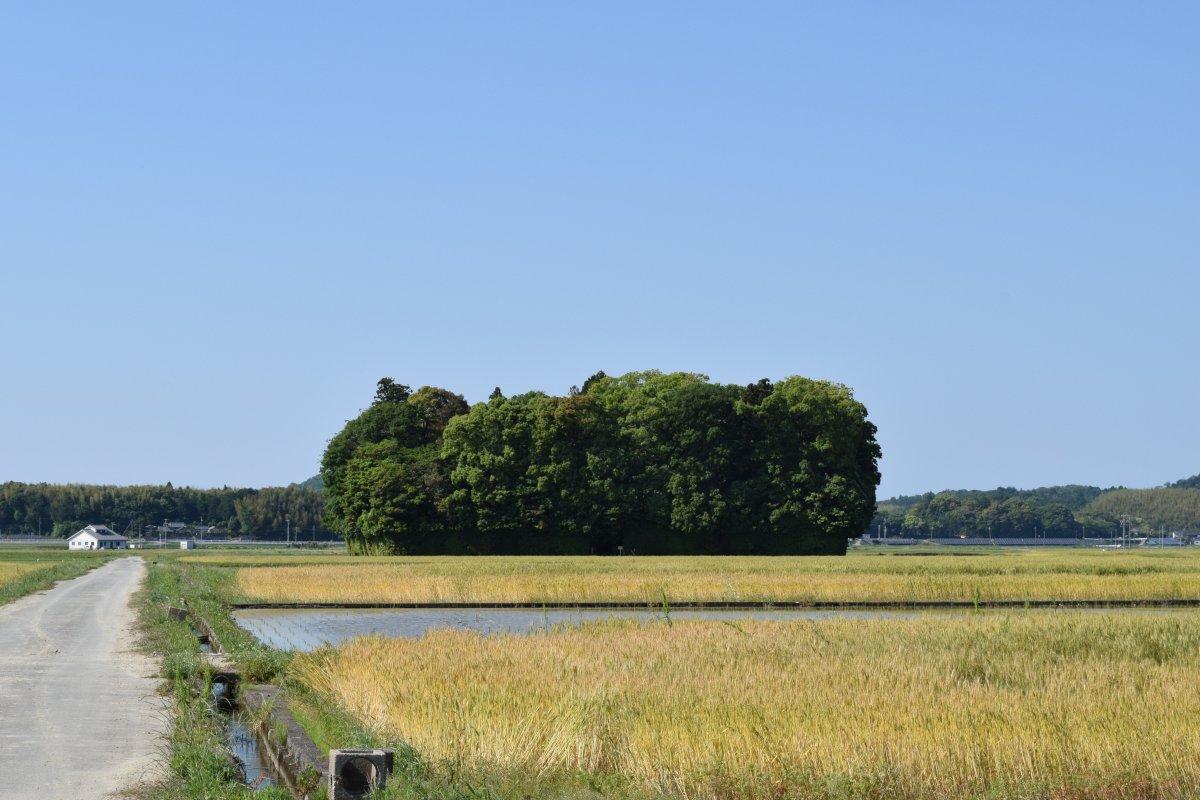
(62, 509)
(1051, 511)
(647, 462)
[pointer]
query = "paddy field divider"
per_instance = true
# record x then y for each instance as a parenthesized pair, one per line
(815, 605)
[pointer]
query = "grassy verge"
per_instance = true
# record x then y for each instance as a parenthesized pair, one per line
(206, 593)
(23, 572)
(200, 766)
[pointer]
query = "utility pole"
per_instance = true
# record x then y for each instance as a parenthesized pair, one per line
(288, 519)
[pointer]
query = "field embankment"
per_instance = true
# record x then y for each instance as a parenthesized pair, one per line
(1071, 706)
(1046, 575)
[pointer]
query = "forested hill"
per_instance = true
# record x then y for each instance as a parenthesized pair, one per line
(1172, 508)
(1051, 511)
(62, 509)
(313, 484)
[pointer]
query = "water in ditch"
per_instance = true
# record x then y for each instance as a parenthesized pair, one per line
(255, 764)
(239, 735)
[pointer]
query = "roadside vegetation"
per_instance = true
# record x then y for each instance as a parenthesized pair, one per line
(871, 575)
(31, 569)
(200, 765)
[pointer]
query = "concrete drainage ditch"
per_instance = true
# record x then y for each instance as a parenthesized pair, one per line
(269, 745)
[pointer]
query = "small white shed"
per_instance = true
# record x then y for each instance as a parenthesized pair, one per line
(97, 537)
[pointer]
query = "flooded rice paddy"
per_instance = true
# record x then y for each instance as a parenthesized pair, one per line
(306, 629)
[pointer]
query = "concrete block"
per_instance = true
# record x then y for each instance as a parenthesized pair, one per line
(356, 773)
(225, 689)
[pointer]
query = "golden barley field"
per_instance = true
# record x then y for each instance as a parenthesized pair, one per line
(1047, 574)
(1066, 705)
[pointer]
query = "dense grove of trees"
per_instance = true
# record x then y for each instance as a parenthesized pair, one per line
(60, 510)
(646, 462)
(265, 513)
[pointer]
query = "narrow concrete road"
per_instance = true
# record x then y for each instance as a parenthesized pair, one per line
(79, 717)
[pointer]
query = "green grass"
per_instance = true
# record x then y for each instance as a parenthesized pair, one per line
(200, 766)
(24, 570)
(205, 593)
(327, 725)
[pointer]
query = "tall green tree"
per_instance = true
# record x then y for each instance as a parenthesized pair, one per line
(383, 476)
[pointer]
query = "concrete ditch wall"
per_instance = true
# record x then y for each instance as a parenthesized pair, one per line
(300, 765)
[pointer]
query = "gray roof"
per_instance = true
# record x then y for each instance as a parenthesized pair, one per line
(102, 533)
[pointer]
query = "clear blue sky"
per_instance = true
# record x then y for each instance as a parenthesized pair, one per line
(220, 223)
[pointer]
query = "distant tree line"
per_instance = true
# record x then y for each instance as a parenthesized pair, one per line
(646, 462)
(61, 509)
(999, 513)
(1054, 511)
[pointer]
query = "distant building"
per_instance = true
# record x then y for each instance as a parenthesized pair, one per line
(97, 537)
(977, 541)
(181, 528)
(1164, 541)
(187, 544)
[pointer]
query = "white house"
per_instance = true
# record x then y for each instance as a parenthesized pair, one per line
(97, 537)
